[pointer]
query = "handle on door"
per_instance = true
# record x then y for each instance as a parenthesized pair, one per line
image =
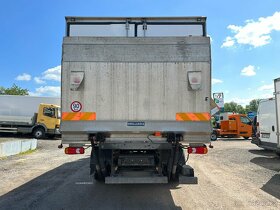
(273, 128)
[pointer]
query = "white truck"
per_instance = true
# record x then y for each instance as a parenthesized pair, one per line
(137, 90)
(268, 123)
(39, 116)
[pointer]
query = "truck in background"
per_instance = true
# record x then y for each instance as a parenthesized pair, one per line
(39, 116)
(138, 91)
(277, 105)
(235, 126)
(267, 135)
(266, 121)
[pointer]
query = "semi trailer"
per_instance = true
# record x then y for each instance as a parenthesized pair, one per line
(39, 116)
(136, 91)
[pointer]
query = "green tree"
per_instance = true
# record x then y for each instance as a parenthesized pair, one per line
(14, 90)
(234, 107)
(253, 105)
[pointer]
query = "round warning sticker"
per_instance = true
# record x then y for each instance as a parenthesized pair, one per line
(76, 106)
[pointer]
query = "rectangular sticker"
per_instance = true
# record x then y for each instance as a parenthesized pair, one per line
(265, 135)
(135, 123)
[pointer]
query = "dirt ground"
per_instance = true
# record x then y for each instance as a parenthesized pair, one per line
(235, 174)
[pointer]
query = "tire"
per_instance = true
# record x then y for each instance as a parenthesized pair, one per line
(213, 136)
(39, 133)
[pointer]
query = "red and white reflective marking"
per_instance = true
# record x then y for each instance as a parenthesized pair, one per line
(197, 150)
(76, 106)
(74, 150)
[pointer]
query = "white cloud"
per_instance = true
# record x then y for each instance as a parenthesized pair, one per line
(254, 33)
(266, 87)
(52, 74)
(38, 80)
(241, 101)
(46, 91)
(229, 42)
(23, 77)
(248, 71)
(216, 81)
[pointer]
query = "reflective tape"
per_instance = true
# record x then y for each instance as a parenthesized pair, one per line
(193, 116)
(78, 116)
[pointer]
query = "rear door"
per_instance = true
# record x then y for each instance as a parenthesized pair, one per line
(277, 105)
(267, 122)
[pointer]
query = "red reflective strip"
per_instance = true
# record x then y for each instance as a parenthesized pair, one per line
(74, 150)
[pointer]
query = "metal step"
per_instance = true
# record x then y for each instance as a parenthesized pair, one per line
(136, 180)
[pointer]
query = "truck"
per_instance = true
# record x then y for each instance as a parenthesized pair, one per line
(39, 116)
(137, 91)
(267, 135)
(235, 126)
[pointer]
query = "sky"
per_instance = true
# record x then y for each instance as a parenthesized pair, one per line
(245, 40)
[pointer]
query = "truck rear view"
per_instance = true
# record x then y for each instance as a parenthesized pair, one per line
(137, 90)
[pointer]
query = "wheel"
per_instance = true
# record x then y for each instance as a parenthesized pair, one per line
(38, 133)
(246, 137)
(213, 136)
(278, 153)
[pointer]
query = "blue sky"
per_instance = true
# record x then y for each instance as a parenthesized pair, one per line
(245, 38)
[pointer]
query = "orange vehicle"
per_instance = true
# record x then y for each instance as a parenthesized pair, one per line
(237, 125)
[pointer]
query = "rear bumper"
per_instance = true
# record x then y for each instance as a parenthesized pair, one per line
(192, 131)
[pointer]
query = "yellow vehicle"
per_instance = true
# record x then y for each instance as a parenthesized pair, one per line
(30, 115)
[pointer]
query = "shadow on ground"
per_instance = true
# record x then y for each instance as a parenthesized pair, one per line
(233, 139)
(269, 160)
(70, 187)
(272, 186)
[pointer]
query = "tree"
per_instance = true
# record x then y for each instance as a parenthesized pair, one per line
(14, 90)
(234, 107)
(253, 106)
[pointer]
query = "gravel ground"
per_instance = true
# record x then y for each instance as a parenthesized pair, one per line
(235, 174)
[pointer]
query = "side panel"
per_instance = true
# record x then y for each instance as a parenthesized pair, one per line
(13, 111)
(10, 106)
(267, 121)
(277, 104)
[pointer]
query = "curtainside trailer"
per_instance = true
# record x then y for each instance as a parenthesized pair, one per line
(39, 116)
(137, 91)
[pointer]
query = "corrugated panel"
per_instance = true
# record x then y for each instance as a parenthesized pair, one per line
(163, 49)
(136, 91)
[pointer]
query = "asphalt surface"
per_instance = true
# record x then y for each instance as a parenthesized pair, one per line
(235, 174)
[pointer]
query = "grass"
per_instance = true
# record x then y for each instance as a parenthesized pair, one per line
(27, 152)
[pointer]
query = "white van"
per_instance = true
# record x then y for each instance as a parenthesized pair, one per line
(277, 104)
(266, 136)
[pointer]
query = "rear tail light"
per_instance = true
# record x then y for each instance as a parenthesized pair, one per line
(74, 150)
(157, 133)
(197, 150)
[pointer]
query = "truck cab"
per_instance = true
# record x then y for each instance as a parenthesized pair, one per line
(47, 120)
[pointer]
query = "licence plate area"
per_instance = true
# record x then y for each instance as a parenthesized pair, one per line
(265, 135)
